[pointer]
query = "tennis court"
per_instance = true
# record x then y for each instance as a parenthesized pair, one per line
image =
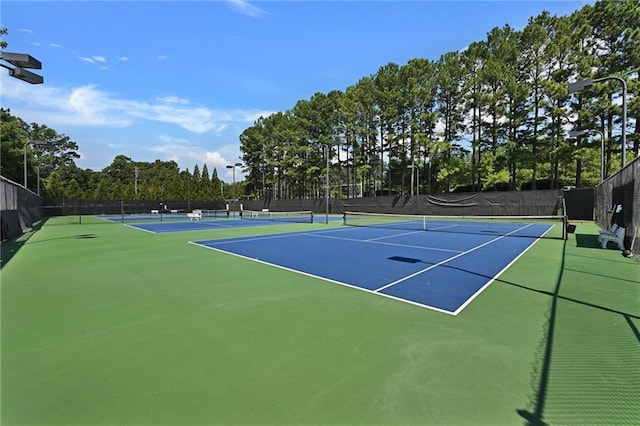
(104, 324)
(220, 219)
(443, 271)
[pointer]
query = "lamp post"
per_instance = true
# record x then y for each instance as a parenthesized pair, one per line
(428, 161)
(576, 133)
(326, 221)
(412, 167)
(40, 143)
(19, 61)
(233, 168)
(327, 147)
(583, 84)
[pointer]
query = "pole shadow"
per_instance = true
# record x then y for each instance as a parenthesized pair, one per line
(535, 416)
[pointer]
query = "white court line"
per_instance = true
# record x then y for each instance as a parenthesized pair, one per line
(377, 291)
(433, 308)
(437, 228)
(395, 235)
(447, 260)
(140, 229)
(384, 243)
(254, 238)
(481, 289)
(275, 236)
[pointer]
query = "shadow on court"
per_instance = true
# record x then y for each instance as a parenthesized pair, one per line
(587, 241)
(534, 415)
(10, 248)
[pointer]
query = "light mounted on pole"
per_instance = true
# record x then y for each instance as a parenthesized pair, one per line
(19, 62)
(579, 85)
(33, 143)
(327, 148)
(588, 82)
(233, 168)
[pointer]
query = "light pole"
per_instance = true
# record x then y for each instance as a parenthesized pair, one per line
(427, 160)
(19, 61)
(326, 221)
(583, 84)
(576, 133)
(40, 143)
(233, 168)
(412, 167)
(327, 147)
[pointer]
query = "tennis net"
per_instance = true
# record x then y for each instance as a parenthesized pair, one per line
(214, 214)
(513, 226)
(305, 216)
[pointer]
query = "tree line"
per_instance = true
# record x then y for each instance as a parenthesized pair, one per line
(124, 178)
(493, 116)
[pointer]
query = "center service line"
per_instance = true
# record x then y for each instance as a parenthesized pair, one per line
(447, 260)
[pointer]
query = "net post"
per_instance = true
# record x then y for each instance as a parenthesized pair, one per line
(565, 227)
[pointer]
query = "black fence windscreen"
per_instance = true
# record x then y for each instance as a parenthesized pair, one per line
(617, 201)
(579, 203)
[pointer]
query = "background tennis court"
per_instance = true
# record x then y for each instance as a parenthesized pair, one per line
(218, 220)
(110, 325)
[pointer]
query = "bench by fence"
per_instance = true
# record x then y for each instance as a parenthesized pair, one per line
(195, 215)
(617, 236)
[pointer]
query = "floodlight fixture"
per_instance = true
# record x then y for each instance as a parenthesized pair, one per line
(577, 133)
(25, 75)
(580, 85)
(588, 82)
(233, 167)
(21, 60)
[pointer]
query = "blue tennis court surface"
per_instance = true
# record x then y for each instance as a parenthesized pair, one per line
(440, 271)
(198, 225)
(209, 224)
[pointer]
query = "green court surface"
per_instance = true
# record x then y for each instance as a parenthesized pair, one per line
(103, 324)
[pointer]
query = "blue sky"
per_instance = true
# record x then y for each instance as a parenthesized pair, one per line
(178, 80)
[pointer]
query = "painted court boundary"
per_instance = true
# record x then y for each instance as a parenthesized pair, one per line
(379, 290)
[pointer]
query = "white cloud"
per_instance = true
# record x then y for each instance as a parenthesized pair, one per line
(196, 120)
(173, 100)
(93, 59)
(246, 8)
(184, 152)
(172, 140)
(188, 154)
(88, 106)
